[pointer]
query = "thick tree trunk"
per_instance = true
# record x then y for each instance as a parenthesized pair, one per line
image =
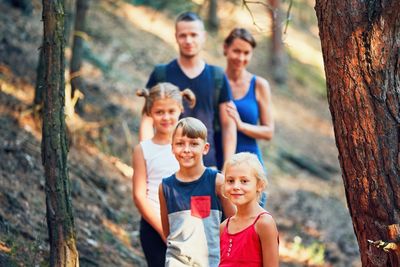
(213, 21)
(77, 49)
(278, 57)
(361, 49)
(54, 141)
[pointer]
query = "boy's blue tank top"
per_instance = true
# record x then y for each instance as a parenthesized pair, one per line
(249, 113)
(194, 214)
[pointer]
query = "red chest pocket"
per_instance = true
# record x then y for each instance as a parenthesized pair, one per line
(200, 206)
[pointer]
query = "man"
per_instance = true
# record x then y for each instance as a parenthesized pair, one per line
(189, 70)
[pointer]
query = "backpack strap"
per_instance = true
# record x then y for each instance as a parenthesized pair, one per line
(160, 73)
(218, 77)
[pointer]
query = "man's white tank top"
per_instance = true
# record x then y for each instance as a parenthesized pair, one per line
(160, 163)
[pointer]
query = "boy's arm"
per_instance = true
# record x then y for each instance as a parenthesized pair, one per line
(146, 130)
(227, 206)
(268, 234)
(139, 189)
(163, 212)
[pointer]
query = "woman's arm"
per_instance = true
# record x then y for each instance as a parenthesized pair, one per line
(139, 190)
(265, 129)
(228, 129)
(268, 233)
(163, 212)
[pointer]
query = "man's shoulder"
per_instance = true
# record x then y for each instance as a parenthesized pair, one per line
(216, 69)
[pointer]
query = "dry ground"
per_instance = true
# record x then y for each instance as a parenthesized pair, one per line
(306, 193)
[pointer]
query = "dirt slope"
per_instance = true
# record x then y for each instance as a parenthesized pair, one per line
(306, 193)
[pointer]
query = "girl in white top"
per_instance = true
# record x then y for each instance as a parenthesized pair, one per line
(153, 160)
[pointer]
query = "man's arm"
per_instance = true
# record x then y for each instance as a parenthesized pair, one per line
(146, 130)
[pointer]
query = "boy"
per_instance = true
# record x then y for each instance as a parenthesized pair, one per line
(191, 200)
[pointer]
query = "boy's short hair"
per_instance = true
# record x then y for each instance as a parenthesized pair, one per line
(192, 128)
(252, 162)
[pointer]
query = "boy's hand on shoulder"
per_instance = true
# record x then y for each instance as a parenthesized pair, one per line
(227, 205)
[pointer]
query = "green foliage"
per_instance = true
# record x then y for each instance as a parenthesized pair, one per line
(173, 7)
(308, 76)
(314, 252)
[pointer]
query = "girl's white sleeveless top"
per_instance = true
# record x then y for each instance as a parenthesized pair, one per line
(160, 163)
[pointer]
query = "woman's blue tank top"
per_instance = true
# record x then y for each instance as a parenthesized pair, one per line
(249, 113)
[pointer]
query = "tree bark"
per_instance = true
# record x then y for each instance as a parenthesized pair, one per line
(278, 57)
(361, 50)
(213, 21)
(38, 98)
(60, 220)
(69, 20)
(77, 49)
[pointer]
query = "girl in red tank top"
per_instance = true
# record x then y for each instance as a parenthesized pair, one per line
(250, 237)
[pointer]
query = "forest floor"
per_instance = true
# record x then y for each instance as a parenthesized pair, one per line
(305, 195)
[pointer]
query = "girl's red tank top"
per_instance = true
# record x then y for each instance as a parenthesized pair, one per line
(242, 248)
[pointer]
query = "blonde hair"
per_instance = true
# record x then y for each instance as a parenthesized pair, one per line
(192, 128)
(252, 162)
(163, 91)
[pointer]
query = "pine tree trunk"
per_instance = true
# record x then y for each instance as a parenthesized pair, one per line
(278, 57)
(60, 220)
(361, 50)
(38, 98)
(77, 49)
(213, 21)
(69, 20)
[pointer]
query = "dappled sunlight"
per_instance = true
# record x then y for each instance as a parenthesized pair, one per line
(308, 183)
(149, 20)
(118, 232)
(284, 110)
(12, 85)
(305, 48)
(4, 248)
(257, 20)
(297, 252)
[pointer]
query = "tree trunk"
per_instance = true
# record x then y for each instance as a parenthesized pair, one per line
(60, 220)
(278, 57)
(38, 99)
(69, 20)
(213, 21)
(77, 49)
(361, 50)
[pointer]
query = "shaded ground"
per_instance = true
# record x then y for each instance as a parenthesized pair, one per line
(306, 193)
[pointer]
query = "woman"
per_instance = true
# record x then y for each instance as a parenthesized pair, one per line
(251, 107)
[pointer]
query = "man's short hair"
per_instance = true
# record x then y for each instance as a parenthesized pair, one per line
(188, 16)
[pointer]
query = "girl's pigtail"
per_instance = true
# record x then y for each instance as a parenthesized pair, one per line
(189, 96)
(143, 92)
